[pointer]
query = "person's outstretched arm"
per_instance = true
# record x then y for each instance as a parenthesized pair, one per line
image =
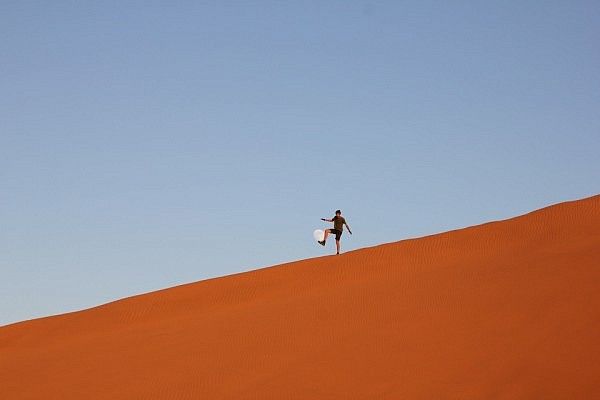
(348, 227)
(326, 220)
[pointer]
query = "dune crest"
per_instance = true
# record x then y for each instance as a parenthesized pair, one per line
(504, 310)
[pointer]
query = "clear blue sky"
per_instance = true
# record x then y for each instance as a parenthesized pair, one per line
(148, 144)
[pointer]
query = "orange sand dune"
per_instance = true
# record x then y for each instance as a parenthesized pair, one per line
(504, 310)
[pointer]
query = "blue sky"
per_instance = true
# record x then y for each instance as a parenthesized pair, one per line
(149, 144)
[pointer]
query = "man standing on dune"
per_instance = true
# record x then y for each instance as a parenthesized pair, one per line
(338, 228)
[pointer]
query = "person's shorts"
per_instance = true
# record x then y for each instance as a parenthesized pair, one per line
(338, 234)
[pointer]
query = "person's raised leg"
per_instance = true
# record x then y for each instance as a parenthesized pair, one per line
(325, 233)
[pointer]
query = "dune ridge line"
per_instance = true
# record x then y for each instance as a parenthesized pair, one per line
(507, 309)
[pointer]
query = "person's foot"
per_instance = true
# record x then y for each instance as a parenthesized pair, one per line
(337, 254)
(322, 242)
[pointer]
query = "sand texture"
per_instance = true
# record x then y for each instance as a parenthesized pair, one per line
(503, 310)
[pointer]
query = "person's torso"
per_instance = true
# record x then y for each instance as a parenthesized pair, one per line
(338, 223)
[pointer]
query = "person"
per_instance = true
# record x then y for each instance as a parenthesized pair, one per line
(338, 228)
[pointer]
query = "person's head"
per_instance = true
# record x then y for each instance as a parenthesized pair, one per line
(338, 212)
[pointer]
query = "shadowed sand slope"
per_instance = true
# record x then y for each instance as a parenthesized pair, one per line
(504, 310)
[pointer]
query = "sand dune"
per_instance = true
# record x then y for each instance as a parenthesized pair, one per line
(504, 310)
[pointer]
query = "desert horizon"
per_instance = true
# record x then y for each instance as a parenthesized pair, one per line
(505, 309)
